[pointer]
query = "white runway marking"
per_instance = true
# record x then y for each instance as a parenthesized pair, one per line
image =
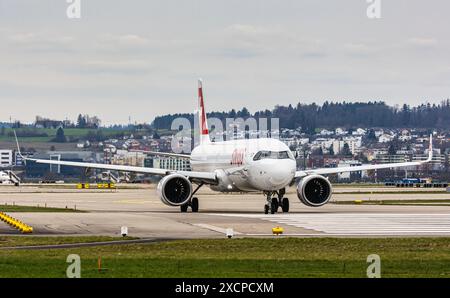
(362, 223)
(215, 229)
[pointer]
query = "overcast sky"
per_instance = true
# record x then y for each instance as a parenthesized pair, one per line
(140, 59)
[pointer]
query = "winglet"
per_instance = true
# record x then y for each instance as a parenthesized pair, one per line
(430, 149)
(18, 147)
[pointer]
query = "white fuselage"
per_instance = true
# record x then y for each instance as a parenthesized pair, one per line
(239, 167)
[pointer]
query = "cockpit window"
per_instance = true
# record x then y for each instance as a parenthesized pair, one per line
(273, 155)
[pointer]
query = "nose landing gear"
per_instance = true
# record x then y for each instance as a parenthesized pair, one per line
(273, 203)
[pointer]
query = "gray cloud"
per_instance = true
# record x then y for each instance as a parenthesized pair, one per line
(423, 42)
(142, 58)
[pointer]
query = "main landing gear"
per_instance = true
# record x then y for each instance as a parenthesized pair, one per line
(273, 203)
(193, 201)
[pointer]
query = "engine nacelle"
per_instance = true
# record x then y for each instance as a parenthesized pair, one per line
(314, 190)
(224, 182)
(174, 190)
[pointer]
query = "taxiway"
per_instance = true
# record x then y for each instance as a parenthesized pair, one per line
(146, 216)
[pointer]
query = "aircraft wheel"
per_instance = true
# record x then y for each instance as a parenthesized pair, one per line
(184, 208)
(194, 204)
(285, 205)
(266, 209)
(274, 206)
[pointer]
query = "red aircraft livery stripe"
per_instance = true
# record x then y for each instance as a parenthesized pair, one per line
(203, 126)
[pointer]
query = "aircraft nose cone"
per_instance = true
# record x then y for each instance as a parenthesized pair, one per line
(274, 174)
(279, 175)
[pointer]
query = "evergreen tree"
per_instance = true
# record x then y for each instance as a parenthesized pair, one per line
(346, 150)
(60, 137)
(331, 150)
(371, 135)
(81, 121)
(392, 150)
(309, 117)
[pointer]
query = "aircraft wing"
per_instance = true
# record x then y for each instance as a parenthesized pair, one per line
(206, 177)
(324, 171)
(209, 177)
(168, 154)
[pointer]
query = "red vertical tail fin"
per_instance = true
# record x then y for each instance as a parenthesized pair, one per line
(204, 132)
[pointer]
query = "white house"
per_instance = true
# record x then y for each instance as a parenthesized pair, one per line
(385, 138)
(378, 132)
(339, 131)
(325, 132)
(404, 138)
(339, 145)
(359, 132)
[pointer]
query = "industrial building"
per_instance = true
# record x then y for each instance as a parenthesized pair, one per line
(6, 158)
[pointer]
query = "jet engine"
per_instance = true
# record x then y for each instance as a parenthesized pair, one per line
(314, 190)
(174, 190)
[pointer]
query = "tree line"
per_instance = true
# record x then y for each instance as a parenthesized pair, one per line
(309, 117)
(83, 121)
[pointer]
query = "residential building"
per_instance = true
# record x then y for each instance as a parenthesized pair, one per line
(392, 158)
(385, 138)
(124, 157)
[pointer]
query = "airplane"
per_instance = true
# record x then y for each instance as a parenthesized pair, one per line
(8, 177)
(4, 177)
(247, 165)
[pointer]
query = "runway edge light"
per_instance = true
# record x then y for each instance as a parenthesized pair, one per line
(229, 232)
(124, 231)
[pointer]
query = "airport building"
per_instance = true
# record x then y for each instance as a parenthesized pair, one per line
(172, 163)
(124, 157)
(6, 158)
(350, 176)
